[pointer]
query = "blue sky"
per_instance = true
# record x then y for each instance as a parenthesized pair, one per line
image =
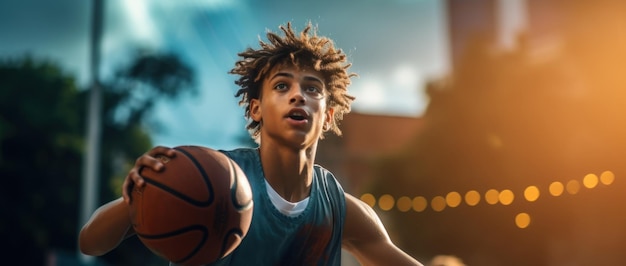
(394, 46)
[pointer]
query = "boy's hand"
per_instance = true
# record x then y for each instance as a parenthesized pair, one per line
(148, 159)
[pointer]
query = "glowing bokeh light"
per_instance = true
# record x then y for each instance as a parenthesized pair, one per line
(590, 181)
(419, 204)
(472, 198)
(556, 188)
(438, 203)
(492, 196)
(522, 220)
(607, 177)
(404, 204)
(453, 199)
(531, 193)
(386, 202)
(506, 197)
(572, 187)
(369, 199)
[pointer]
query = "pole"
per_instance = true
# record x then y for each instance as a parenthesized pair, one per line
(91, 162)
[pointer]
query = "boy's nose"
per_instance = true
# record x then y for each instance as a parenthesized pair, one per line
(296, 95)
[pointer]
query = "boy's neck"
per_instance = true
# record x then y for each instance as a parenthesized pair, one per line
(289, 171)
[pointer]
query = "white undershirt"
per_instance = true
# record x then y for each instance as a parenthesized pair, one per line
(287, 208)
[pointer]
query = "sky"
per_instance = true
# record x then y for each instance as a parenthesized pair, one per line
(394, 46)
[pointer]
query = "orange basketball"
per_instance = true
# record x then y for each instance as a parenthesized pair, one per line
(196, 210)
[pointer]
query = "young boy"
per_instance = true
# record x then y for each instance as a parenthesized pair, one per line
(294, 88)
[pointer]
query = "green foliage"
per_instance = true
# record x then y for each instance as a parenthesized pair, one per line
(40, 156)
(135, 89)
(42, 142)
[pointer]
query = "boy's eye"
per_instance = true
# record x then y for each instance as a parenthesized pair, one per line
(313, 89)
(280, 86)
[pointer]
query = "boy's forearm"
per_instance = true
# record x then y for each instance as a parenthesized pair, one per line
(106, 228)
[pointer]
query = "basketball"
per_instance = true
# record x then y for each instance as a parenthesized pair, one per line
(196, 210)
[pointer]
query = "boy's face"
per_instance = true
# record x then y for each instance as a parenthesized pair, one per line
(292, 106)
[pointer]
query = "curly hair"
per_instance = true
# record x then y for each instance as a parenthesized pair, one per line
(303, 50)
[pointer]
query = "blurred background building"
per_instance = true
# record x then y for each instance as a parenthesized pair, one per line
(517, 159)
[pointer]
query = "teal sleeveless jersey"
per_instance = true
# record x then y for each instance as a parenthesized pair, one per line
(311, 238)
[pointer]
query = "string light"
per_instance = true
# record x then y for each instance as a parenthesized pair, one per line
(531, 193)
(556, 188)
(472, 198)
(607, 178)
(590, 181)
(419, 204)
(522, 220)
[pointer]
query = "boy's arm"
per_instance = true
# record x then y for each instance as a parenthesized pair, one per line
(110, 224)
(105, 230)
(366, 238)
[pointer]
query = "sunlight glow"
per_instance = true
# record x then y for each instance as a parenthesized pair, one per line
(142, 24)
(399, 91)
(197, 4)
(370, 93)
(406, 76)
(494, 141)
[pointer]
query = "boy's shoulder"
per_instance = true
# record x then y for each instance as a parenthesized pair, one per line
(243, 155)
(239, 151)
(322, 169)
(326, 176)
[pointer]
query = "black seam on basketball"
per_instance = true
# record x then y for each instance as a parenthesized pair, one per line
(233, 190)
(182, 196)
(205, 176)
(196, 227)
(234, 231)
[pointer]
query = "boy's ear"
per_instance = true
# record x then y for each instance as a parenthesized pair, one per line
(255, 110)
(328, 120)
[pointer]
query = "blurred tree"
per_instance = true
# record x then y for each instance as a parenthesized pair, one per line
(128, 103)
(41, 144)
(40, 152)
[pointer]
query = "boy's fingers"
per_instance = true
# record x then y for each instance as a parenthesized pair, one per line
(161, 150)
(133, 179)
(151, 159)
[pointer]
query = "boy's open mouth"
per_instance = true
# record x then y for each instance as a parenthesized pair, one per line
(297, 117)
(298, 114)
